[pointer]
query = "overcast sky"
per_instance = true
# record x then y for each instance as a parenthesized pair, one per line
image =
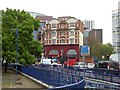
(98, 10)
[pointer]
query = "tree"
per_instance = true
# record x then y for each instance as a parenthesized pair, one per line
(100, 50)
(107, 50)
(28, 48)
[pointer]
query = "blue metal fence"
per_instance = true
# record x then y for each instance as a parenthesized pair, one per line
(99, 85)
(101, 74)
(95, 73)
(70, 78)
(54, 78)
(71, 86)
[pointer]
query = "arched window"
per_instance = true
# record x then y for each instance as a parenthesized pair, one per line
(72, 51)
(53, 52)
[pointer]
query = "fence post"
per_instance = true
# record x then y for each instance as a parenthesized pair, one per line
(79, 72)
(103, 77)
(58, 78)
(111, 78)
(72, 79)
(95, 76)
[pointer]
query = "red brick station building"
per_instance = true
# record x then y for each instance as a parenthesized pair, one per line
(63, 37)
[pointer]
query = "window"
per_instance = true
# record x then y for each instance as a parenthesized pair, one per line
(53, 41)
(72, 24)
(62, 33)
(54, 25)
(71, 33)
(53, 33)
(62, 41)
(71, 40)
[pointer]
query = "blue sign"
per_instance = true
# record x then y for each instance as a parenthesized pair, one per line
(85, 50)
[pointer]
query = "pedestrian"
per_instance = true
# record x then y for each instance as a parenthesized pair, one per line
(65, 64)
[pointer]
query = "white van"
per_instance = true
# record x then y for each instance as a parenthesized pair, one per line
(46, 61)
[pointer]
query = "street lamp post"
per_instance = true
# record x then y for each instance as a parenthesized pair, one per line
(16, 52)
(84, 64)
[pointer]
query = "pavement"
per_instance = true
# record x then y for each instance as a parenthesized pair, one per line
(9, 80)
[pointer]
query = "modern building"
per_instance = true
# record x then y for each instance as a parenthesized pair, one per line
(63, 38)
(116, 31)
(34, 14)
(85, 35)
(93, 36)
(89, 24)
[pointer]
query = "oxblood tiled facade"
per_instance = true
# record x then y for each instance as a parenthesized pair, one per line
(63, 37)
(62, 50)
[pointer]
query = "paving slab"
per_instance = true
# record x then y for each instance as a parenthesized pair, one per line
(9, 81)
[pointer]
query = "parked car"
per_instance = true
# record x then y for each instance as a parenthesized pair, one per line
(91, 65)
(56, 64)
(80, 65)
(108, 64)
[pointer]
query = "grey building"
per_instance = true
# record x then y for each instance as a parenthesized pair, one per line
(85, 36)
(93, 36)
(89, 24)
(116, 29)
(34, 14)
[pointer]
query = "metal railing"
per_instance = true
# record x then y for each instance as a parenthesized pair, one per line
(60, 77)
(101, 85)
(54, 78)
(112, 76)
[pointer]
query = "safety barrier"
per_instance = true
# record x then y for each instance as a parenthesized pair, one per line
(101, 85)
(101, 74)
(54, 78)
(95, 73)
(104, 71)
(69, 78)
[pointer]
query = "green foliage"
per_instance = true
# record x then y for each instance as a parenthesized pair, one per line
(28, 49)
(36, 24)
(100, 50)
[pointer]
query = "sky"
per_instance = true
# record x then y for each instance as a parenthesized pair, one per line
(100, 11)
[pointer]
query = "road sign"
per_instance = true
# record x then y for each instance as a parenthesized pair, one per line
(85, 50)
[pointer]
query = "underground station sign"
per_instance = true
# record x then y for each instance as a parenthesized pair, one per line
(85, 50)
